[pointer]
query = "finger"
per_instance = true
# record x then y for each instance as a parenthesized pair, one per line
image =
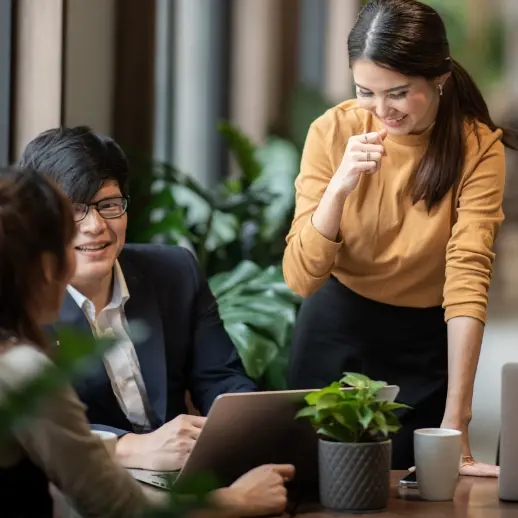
(412, 469)
(188, 431)
(278, 506)
(192, 433)
(369, 156)
(367, 148)
(366, 167)
(196, 420)
(279, 501)
(286, 471)
(185, 444)
(382, 133)
(367, 138)
(380, 138)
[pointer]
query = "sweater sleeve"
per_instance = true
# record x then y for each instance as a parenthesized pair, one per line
(469, 254)
(309, 256)
(59, 441)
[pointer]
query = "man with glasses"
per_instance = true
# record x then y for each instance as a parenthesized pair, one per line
(138, 388)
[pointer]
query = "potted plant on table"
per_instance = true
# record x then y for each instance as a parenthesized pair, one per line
(354, 448)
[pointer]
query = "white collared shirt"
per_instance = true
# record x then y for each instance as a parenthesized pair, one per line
(121, 361)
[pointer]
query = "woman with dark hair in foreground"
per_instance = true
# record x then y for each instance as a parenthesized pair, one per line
(36, 262)
(398, 204)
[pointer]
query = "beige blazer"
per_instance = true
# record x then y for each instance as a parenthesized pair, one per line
(58, 440)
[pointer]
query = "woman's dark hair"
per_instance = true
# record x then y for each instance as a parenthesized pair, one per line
(410, 37)
(35, 217)
(78, 160)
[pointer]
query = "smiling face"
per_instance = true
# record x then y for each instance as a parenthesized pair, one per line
(98, 241)
(404, 105)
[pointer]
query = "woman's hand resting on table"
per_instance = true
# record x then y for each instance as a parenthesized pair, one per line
(259, 492)
(469, 467)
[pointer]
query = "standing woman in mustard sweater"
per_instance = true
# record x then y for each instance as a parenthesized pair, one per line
(398, 204)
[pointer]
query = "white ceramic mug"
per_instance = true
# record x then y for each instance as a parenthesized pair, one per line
(109, 440)
(437, 453)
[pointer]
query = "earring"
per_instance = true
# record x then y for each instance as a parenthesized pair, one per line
(439, 87)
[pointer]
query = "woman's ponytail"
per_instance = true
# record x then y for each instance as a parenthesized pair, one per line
(444, 158)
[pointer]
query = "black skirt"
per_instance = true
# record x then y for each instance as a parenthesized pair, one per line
(338, 330)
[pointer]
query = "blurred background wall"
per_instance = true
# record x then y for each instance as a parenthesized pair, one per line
(160, 76)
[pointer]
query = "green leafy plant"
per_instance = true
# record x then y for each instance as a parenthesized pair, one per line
(353, 416)
(244, 217)
(306, 104)
(237, 232)
(258, 310)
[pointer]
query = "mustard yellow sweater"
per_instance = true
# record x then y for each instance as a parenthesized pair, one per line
(390, 250)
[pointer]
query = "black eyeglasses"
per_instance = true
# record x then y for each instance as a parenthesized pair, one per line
(109, 208)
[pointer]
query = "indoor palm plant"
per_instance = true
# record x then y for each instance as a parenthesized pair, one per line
(354, 446)
(237, 232)
(258, 311)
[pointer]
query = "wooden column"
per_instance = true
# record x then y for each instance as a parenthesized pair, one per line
(63, 66)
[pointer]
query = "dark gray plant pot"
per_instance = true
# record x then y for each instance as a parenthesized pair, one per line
(354, 477)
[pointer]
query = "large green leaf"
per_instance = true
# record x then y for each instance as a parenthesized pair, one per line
(381, 422)
(314, 397)
(270, 281)
(237, 315)
(167, 227)
(365, 416)
(224, 229)
(345, 413)
(388, 406)
(336, 432)
(329, 401)
(275, 375)
(307, 411)
(224, 282)
(262, 303)
(280, 164)
(355, 380)
(256, 350)
(269, 325)
(248, 299)
(243, 150)
(197, 209)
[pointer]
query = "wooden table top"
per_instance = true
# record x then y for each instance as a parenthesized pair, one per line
(474, 498)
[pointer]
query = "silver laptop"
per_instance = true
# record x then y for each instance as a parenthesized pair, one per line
(508, 479)
(245, 430)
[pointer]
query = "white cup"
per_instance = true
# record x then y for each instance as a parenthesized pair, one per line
(437, 453)
(109, 440)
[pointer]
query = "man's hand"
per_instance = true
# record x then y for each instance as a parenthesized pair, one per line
(259, 492)
(165, 449)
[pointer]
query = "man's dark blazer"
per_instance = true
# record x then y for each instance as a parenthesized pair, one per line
(187, 347)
